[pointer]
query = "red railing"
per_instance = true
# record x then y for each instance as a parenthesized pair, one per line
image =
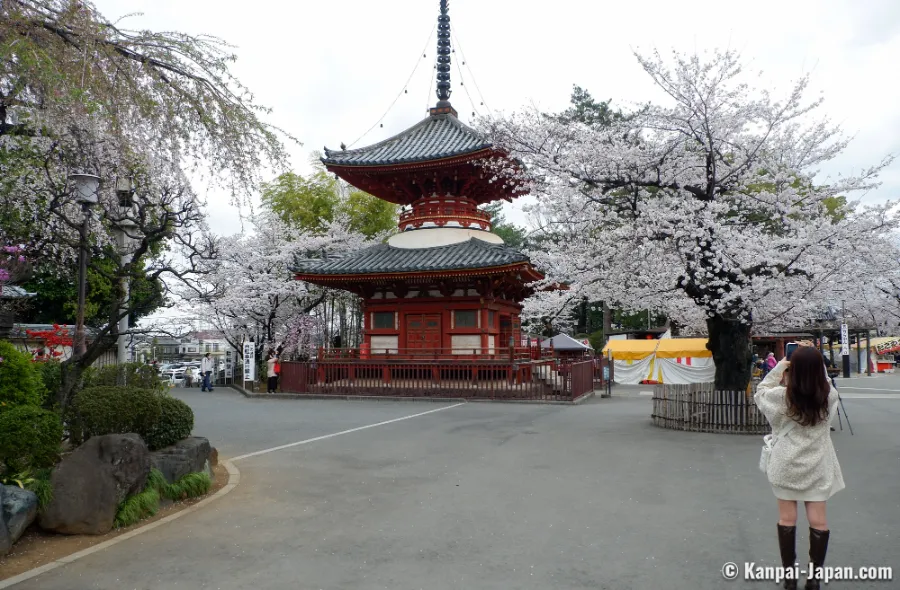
(474, 379)
(441, 211)
(517, 354)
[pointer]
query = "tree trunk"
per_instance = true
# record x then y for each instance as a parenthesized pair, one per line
(72, 373)
(607, 322)
(729, 341)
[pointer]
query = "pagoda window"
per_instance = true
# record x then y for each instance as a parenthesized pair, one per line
(465, 318)
(492, 319)
(384, 320)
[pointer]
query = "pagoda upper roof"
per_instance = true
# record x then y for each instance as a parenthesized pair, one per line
(384, 258)
(437, 137)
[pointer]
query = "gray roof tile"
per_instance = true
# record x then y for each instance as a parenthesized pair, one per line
(434, 138)
(384, 258)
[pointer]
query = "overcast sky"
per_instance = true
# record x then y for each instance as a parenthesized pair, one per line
(330, 70)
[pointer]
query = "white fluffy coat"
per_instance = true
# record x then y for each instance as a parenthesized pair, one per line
(803, 465)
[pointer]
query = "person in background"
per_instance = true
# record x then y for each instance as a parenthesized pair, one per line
(272, 372)
(189, 377)
(803, 466)
(206, 369)
(771, 361)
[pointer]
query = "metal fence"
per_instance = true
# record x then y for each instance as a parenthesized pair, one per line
(698, 407)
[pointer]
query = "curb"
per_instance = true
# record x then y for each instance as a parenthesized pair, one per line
(384, 398)
(234, 478)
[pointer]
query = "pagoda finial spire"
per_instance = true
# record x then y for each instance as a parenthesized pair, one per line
(443, 55)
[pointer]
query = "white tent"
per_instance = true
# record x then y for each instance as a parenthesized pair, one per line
(563, 342)
(670, 360)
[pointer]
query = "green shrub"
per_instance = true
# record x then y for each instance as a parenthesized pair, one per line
(42, 487)
(176, 421)
(115, 410)
(29, 437)
(20, 381)
(129, 375)
(51, 377)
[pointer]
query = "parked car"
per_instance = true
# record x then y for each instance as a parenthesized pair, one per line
(174, 376)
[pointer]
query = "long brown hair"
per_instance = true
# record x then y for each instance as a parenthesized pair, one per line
(807, 387)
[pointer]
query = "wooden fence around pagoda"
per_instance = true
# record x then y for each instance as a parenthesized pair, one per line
(697, 407)
(543, 380)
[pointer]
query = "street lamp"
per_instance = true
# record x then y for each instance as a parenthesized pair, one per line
(86, 186)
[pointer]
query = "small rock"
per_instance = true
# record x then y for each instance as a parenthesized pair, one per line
(185, 456)
(19, 510)
(89, 484)
(213, 456)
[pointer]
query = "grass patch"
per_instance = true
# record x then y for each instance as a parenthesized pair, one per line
(189, 486)
(42, 488)
(146, 503)
(137, 507)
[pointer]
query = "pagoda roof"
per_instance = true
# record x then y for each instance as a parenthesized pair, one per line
(384, 258)
(437, 137)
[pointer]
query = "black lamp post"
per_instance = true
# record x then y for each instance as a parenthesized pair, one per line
(86, 186)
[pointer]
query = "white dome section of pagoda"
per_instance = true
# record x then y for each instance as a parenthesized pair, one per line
(432, 237)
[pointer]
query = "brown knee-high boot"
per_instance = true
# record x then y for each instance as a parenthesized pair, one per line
(787, 543)
(818, 547)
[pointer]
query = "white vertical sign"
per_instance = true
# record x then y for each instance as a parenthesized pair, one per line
(249, 362)
(845, 340)
(229, 364)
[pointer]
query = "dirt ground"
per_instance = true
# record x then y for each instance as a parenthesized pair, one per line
(37, 548)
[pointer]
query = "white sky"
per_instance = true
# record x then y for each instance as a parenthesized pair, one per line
(329, 70)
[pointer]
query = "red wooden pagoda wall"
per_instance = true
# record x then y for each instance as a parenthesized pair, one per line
(415, 329)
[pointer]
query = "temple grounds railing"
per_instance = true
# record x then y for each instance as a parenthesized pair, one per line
(542, 380)
(512, 355)
(697, 407)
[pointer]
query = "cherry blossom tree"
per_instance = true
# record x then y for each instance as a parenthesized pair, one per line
(708, 207)
(249, 293)
(79, 93)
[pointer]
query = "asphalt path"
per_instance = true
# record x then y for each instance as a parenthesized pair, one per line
(494, 496)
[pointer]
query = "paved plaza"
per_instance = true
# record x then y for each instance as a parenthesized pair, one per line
(480, 495)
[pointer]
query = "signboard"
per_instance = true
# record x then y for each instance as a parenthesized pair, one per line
(886, 347)
(845, 340)
(229, 364)
(249, 362)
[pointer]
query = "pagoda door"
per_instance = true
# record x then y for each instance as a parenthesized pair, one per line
(423, 332)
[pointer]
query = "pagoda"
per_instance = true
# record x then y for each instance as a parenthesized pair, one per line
(444, 284)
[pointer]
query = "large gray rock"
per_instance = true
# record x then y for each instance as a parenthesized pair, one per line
(19, 510)
(5, 539)
(186, 456)
(89, 484)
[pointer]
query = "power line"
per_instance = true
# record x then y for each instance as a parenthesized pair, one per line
(471, 74)
(466, 88)
(402, 90)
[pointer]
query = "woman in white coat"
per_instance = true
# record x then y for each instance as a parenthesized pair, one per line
(803, 465)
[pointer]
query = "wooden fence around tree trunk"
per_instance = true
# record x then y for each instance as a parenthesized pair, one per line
(698, 407)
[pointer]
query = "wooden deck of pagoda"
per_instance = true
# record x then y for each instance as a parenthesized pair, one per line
(438, 374)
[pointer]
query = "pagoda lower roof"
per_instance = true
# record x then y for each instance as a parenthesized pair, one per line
(473, 254)
(437, 137)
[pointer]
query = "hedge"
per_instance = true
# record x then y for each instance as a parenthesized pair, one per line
(20, 380)
(137, 375)
(176, 421)
(160, 419)
(115, 410)
(29, 437)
